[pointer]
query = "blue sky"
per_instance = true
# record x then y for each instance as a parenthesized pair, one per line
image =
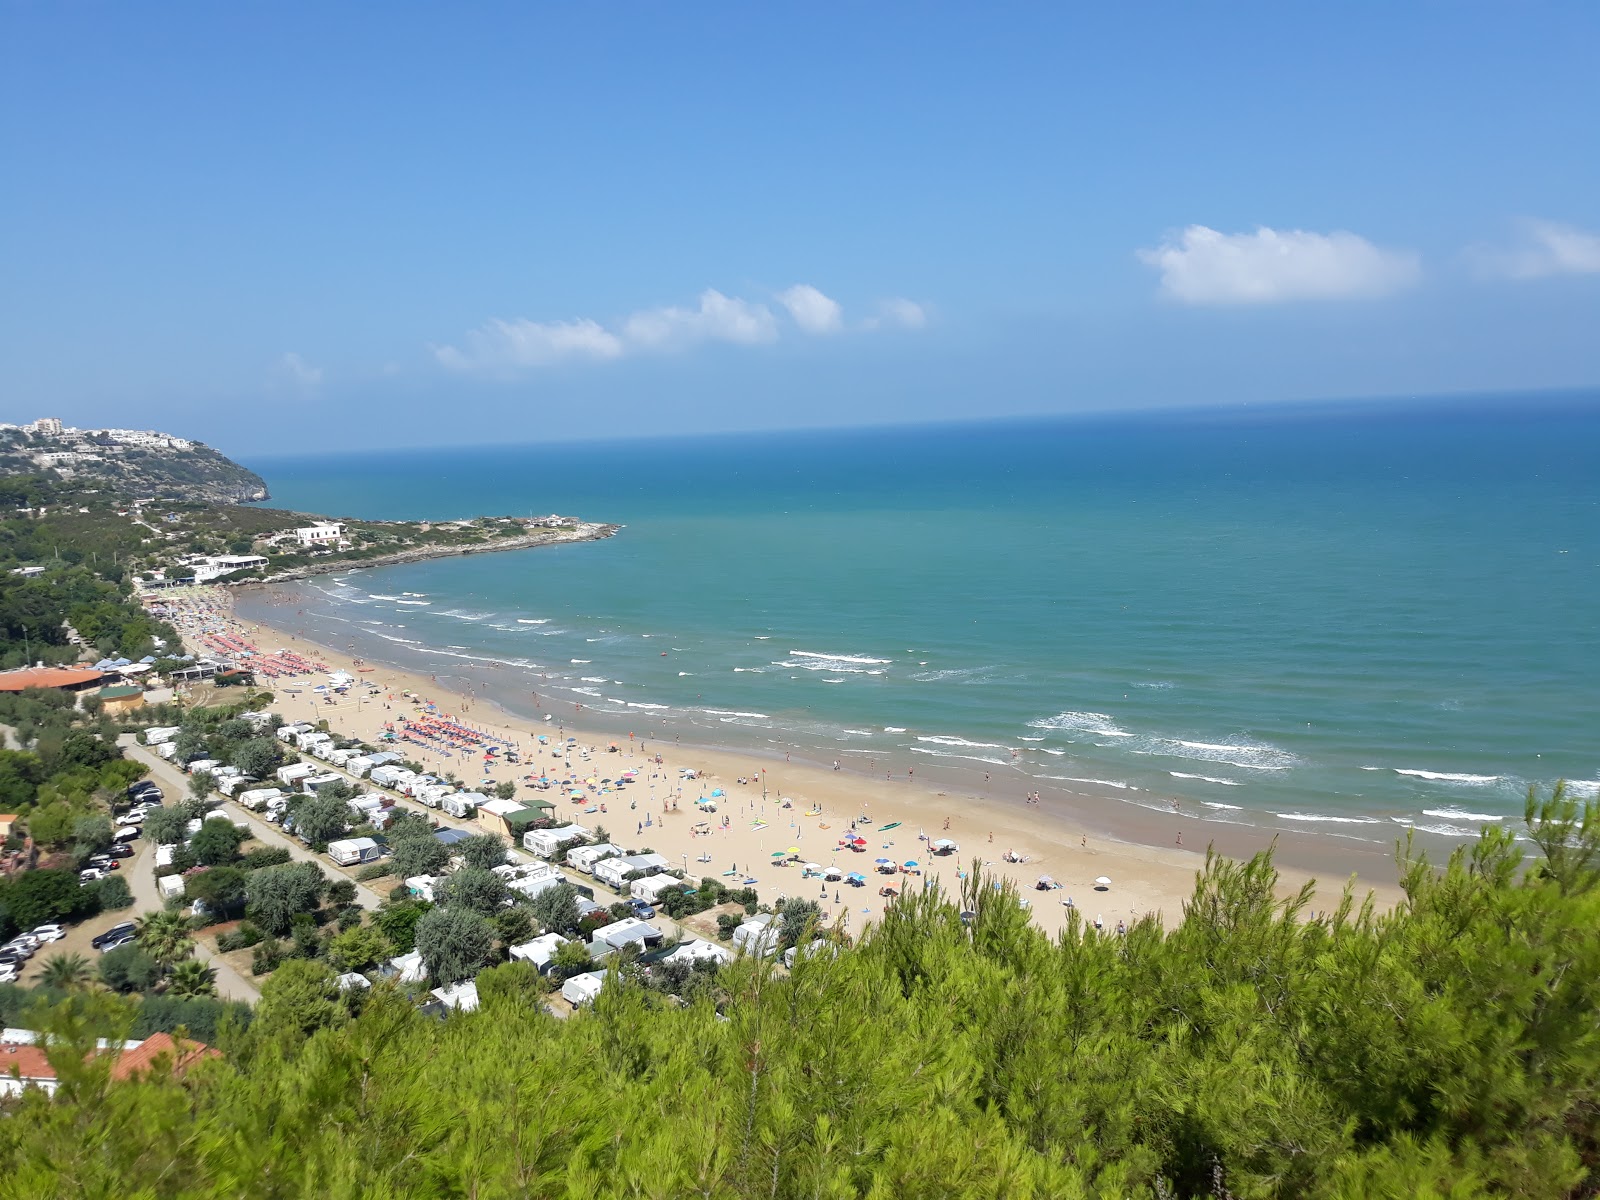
(407, 225)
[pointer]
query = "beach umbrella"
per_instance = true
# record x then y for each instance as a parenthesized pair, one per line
(779, 853)
(1102, 882)
(811, 869)
(910, 863)
(832, 873)
(794, 849)
(883, 862)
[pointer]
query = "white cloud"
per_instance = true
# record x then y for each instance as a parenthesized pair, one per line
(906, 314)
(719, 318)
(521, 343)
(298, 371)
(1545, 248)
(811, 310)
(1203, 266)
(503, 345)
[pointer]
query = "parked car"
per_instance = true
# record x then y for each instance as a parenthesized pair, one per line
(129, 833)
(8, 972)
(120, 929)
(90, 874)
(125, 940)
(145, 790)
(104, 862)
(120, 850)
(642, 909)
(49, 933)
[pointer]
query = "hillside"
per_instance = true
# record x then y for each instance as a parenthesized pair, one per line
(130, 464)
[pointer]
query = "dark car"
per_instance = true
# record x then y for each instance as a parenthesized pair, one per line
(146, 793)
(120, 850)
(120, 933)
(643, 910)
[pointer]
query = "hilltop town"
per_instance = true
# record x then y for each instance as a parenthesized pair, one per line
(127, 463)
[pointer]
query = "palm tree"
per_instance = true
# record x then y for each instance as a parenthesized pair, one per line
(164, 936)
(192, 978)
(65, 971)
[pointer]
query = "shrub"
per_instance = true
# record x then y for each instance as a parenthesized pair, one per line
(129, 969)
(375, 870)
(269, 954)
(265, 856)
(112, 892)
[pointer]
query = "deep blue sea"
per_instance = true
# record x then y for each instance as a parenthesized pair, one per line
(1335, 620)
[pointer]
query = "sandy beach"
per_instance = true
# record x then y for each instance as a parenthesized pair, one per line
(764, 806)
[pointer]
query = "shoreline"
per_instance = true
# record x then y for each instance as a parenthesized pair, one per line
(1073, 847)
(586, 531)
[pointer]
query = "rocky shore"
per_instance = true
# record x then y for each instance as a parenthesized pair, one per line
(583, 532)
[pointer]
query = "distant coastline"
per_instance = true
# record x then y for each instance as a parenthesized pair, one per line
(584, 532)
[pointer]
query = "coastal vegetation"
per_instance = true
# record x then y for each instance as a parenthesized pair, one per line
(1447, 1048)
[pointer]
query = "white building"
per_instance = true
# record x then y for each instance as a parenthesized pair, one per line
(215, 566)
(651, 888)
(757, 936)
(614, 872)
(320, 533)
(461, 997)
(584, 858)
(350, 851)
(695, 950)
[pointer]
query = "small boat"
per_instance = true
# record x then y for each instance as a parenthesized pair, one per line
(889, 826)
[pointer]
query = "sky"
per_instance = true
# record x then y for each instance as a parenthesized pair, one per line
(303, 226)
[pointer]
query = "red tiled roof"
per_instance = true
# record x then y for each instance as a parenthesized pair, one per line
(28, 1061)
(47, 677)
(131, 1062)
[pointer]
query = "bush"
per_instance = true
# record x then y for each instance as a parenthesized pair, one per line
(129, 969)
(269, 954)
(112, 892)
(375, 870)
(265, 856)
(341, 892)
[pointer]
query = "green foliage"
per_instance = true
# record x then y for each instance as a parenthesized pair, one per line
(1450, 1048)
(358, 948)
(266, 856)
(165, 826)
(513, 926)
(91, 834)
(414, 856)
(111, 893)
(129, 969)
(509, 985)
(399, 923)
(454, 943)
(377, 870)
(164, 936)
(481, 850)
(221, 889)
(797, 921)
(192, 978)
(476, 889)
(217, 842)
(66, 971)
(38, 897)
(322, 819)
(570, 958)
(277, 894)
(555, 910)
(257, 757)
(299, 998)
(341, 892)
(203, 1018)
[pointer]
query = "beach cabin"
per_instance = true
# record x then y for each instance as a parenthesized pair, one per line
(458, 997)
(614, 872)
(492, 814)
(312, 784)
(653, 887)
(318, 745)
(405, 968)
(421, 886)
(340, 757)
(582, 989)
(295, 772)
(758, 936)
(202, 764)
(541, 951)
(819, 946)
(155, 737)
(546, 843)
(234, 784)
(388, 775)
(353, 851)
(170, 886)
(529, 881)
(358, 765)
(583, 858)
(450, 837)
(258, 798)
(350, 981)
(164, 856)
(629, 930)
(167, 750)
(289, 733)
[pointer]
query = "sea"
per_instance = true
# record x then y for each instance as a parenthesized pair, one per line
(1346, 621)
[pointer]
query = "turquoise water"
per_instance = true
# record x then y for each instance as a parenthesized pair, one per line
(1332, 621)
